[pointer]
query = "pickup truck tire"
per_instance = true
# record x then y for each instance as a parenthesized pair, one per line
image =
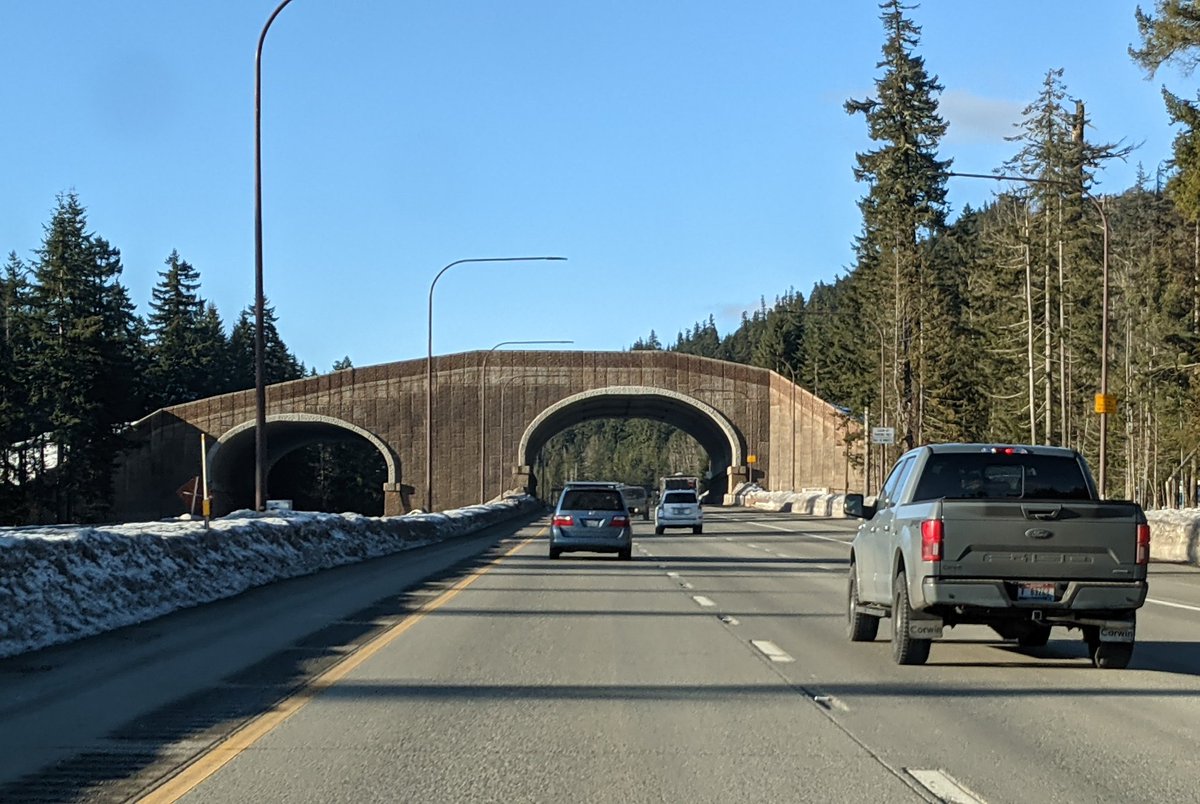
(1106, 655)
(905, 649)
(859, 627)
(658, 530)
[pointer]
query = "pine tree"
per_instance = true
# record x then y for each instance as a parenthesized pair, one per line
(904, 205)
(176, 324)
(15, 415)
(279, 364)
(1174, 36)
(85, 355)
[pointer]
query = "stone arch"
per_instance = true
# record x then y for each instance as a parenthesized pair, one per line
(711, 428)
(287, 432)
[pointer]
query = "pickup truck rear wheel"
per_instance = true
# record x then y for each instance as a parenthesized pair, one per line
(1106, 655)
(905, 649)
(860, 627)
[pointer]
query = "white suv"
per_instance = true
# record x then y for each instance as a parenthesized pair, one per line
(679, 509)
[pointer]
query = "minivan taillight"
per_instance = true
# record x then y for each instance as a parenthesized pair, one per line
(619, 521)
(563, 521)
(1143, 544)
(931, 540)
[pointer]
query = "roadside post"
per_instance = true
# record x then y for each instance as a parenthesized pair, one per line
(205, 502)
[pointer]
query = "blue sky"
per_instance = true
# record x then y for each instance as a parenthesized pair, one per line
(687, 157)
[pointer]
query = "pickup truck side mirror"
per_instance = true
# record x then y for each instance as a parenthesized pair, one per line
(855, 507)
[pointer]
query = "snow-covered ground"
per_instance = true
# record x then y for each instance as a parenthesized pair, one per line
(61, 583)
(1174, 534)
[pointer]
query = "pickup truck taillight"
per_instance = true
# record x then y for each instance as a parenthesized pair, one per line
(1143, 544)
(931, 540)
(619, 521)
(563, 521)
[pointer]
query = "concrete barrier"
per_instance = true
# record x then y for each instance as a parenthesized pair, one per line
(811, 503)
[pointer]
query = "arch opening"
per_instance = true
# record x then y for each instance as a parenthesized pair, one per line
(711, 430)
(319, 462)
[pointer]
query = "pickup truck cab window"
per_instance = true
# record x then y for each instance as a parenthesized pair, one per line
(965, 476)
(895, 483)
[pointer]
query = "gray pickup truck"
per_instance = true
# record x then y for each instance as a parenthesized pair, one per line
(1012, 537)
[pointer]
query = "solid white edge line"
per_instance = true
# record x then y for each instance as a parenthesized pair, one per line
(771, 650)
(1173, 605)
(802, 533)
(944, 786)
(703, 601)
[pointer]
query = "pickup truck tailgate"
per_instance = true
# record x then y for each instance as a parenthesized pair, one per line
(1018, 539)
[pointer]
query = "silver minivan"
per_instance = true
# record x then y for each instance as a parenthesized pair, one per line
(592, 517)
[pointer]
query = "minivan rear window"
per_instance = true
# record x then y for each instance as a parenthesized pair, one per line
(984, 475)
(592, 500)
(679, 497)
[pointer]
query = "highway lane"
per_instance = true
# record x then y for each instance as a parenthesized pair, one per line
(710, 668)
(1010, 724)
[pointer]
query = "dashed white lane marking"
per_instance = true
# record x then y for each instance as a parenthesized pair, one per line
(783, 555)
(685, 585)
(801, 533)
(944, 786)
(755, 546)
(672, 574)
(725, 618)
(703, 601)
(771, 650)
(1173, 605)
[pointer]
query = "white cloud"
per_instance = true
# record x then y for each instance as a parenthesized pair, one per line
(975, 119)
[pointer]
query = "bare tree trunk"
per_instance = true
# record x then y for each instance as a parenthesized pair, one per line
(1029, 346)
(1063, 394)
(1047, 363)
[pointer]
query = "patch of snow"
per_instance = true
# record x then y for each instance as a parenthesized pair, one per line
(61, 583)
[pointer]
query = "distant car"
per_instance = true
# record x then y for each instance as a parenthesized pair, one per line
(592, 517)
(679, 509)
(637, 500)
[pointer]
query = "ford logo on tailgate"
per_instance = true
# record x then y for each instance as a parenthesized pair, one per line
(1039, 533)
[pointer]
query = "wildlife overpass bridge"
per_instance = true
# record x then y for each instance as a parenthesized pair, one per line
(492, 414)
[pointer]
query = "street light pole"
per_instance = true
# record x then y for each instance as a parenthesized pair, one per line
(1102, 403)
(482, 407)
(429, 366)
(260, 374)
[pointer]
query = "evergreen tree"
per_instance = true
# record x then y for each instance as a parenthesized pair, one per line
(1172, 34)
(177, 325)
(904, 205)
(279, 364)
(85, 354)
(15, 415)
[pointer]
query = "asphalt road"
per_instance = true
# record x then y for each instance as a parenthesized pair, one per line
(710, 668)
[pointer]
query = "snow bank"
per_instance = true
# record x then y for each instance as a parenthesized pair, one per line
(59, 583)
(1175, 535)
(813, 503)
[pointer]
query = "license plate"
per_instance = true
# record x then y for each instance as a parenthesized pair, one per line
(592, 523)
(681, 510)
(1036, 591)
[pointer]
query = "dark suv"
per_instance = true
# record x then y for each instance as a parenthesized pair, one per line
(592, 517)
(637, 500)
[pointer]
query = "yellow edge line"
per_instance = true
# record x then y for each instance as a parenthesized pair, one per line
(249, 733)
